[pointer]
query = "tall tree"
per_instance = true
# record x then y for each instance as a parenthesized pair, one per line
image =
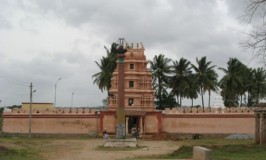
(232, 82)
(211, 84)
(259, 83)
(193, 89)
(179, 82)
(203, 72)
(246, 88)
(160, 70)
(107, 66)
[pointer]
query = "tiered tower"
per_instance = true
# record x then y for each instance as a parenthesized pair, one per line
(136, 107)
(139, 94)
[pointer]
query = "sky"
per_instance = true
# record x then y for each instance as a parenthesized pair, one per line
(44, 40)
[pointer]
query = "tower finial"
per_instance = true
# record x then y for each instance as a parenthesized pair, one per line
(121, 49)
(121, 41)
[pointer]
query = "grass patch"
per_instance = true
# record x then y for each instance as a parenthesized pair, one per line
(240, 152)
(17, 154)
(225, 152)
(19, 149)
(222, 150)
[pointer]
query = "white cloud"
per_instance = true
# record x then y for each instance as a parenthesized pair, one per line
(43, 40)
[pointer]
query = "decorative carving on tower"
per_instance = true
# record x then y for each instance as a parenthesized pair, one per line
(139, 94)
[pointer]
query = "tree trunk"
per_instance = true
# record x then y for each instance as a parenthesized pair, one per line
(258, 95)
(191, 105)
(209, 98)
(177, 98)
(180, 100)
(159, 93)
(248, 103)
(201, 90)
(241, 100)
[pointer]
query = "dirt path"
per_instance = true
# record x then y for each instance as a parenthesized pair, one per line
(87, 150)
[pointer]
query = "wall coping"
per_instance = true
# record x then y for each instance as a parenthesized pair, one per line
(209, 115)
(35, 115)
(260, 109)
(194, 110)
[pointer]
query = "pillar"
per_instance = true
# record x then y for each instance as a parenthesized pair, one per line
(141, 124)
(260, 124)
(126, 125)
(159, 119)
(144, 131)
(263, 128)
(257, 128)
(120, 112)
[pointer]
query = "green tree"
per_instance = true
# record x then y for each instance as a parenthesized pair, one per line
(160, 70)
(232, 82)
(259, 84)
(203, 73)
(247, 88)
(193, 89)
(107, 66)
(14, 106)
(167, 101)
(211, 84)
(179, 82)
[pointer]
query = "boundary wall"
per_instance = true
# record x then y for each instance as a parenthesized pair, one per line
(212, 121)
(91, 122)
(52, 121)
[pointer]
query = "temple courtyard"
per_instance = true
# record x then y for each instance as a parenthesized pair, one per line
(80, 149)
(91, 149)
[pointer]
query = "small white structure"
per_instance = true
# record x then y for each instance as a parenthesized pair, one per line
(7, 109)
(201, 153)
(218, 102)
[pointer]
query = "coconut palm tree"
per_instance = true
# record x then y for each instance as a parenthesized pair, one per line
(232, 82)
(192, 90)
(203, 72)
(211, 84)
(246, 87)
(259, 83)
(179, 82)
(107, 66)
(102, 78)
(160, 70)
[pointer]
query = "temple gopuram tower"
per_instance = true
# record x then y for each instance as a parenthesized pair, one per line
(138, 95)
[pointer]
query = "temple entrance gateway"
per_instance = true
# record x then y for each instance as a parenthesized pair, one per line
(131, 104)
(132, 122)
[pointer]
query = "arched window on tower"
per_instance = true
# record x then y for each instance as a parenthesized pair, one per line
(131, 66)
(131, 84)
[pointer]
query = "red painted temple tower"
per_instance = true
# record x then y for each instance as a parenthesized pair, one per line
(138, 94)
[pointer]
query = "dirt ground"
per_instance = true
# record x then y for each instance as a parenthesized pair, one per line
(89, 150)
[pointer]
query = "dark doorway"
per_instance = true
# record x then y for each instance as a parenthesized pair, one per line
(132, 122)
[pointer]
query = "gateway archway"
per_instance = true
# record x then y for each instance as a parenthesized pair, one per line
(133, 121)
